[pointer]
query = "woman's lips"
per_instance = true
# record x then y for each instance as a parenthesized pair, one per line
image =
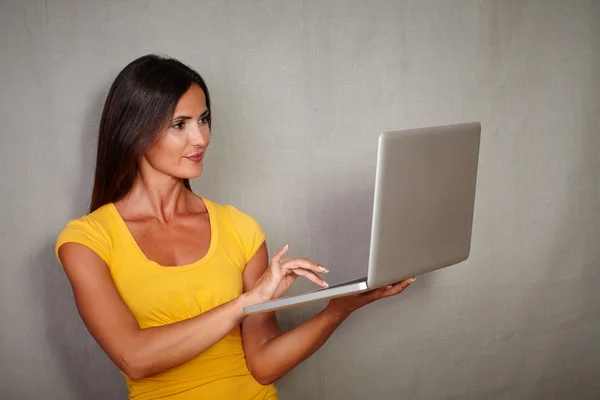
(196, 157)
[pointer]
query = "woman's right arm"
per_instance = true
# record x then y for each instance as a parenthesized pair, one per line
(143, 352)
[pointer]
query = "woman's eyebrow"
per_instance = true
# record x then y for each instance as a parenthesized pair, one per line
(186, 117)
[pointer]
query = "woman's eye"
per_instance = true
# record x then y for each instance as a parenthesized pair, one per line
(203, 120)
(179, 125)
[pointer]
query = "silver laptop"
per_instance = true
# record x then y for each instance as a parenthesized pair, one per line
(422, 212)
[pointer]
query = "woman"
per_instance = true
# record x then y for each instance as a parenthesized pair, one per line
(160, 275)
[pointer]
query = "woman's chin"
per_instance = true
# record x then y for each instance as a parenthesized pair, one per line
(196, 173)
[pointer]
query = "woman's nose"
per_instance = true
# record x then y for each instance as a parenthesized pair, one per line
(200, 136)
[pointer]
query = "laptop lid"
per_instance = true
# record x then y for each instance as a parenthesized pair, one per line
(424, 200)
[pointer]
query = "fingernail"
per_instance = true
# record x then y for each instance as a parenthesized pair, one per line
(326, 284)
(411, 280)
(287, 246)
(323, 269)
(389, 286)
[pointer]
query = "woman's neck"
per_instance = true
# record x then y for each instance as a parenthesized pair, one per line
(160, 197)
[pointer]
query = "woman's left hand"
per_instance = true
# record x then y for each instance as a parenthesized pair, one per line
(347, 304)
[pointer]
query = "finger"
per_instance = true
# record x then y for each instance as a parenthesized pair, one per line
(393, 290)
(312, 277)
(304, 264)
(277, 257)
(283, 260)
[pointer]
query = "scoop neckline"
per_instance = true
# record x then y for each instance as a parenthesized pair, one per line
(207, 257)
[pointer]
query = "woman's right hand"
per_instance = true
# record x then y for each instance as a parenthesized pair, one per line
(281, 274)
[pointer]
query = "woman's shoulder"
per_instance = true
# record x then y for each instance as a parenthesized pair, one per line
(236, 215)
(94, 230)
(244, 229)
(100, 219)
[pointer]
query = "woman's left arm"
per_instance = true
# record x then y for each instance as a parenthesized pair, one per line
(270, 354)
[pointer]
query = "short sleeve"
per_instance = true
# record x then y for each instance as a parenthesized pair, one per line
(87, 233)
(249, 230)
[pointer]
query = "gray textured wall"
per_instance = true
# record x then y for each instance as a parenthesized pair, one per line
(301, 90)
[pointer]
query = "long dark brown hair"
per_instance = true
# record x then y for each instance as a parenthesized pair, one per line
(140, 103)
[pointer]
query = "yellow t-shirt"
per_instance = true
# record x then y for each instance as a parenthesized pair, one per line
(159, 295)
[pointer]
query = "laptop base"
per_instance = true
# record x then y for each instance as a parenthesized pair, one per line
(343, 289)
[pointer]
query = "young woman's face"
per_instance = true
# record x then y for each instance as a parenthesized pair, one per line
(180, 149)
